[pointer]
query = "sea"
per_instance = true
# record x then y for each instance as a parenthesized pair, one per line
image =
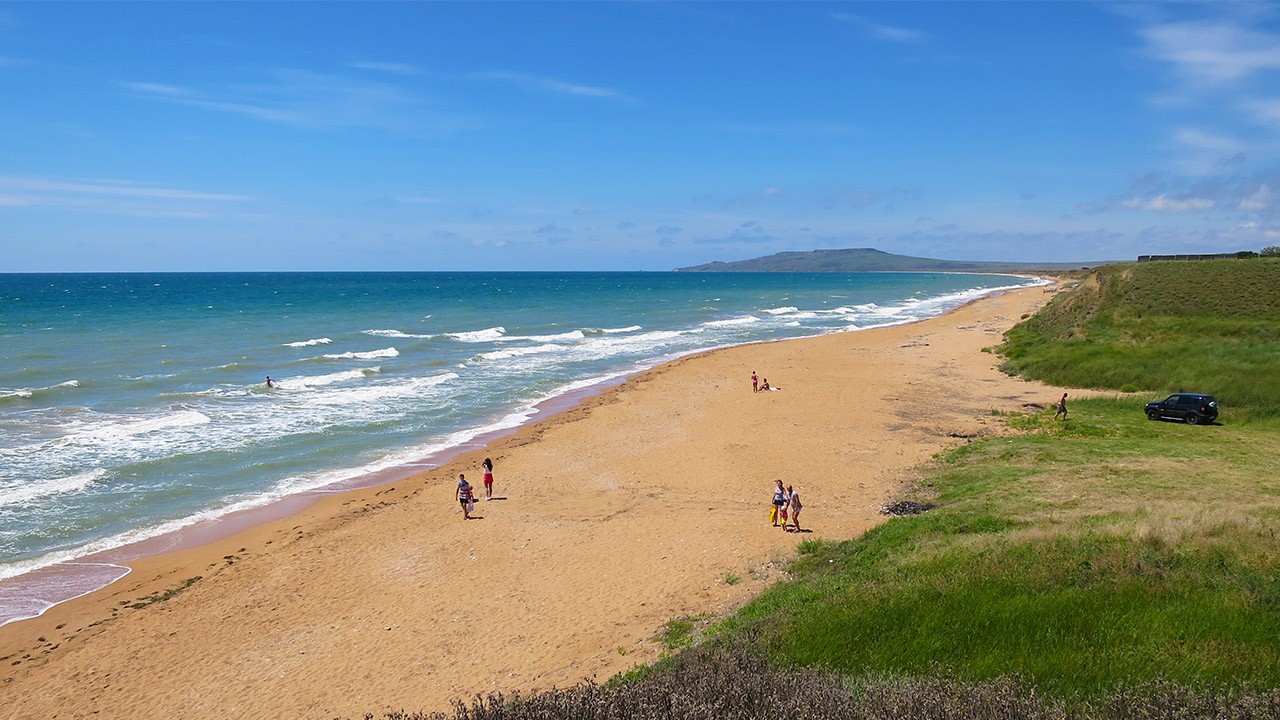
(135, 406)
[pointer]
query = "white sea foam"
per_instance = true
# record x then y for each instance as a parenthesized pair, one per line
(388, 352)
(396, 334)
(745, 320)
(782, 310)
(308, 381)
(486, 335)
(135, 427)
(629, 328)
(309, 343)
(560, 337)
(27, 492)
(521, 351)
(27, 393)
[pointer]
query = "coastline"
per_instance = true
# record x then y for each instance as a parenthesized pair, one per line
(625, 510)
(80, 571)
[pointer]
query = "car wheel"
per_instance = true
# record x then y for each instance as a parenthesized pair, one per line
(1193, 419)
(1153, 415)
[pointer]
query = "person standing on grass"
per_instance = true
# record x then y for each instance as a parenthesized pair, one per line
(1062, 408)
(464, 496)
(779, 502)
(793, 500)
(488, 479)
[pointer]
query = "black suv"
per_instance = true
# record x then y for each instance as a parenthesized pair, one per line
(1191, 408)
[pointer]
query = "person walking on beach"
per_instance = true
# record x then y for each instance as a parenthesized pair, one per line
(1062, 408)
(465, 496)
(793, 501)
(755, 382)
(779, 502)
(488, 479)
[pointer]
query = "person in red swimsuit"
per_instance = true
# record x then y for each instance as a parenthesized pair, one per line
(488, 479)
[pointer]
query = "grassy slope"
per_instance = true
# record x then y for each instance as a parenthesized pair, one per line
(1082, 555)
(1164, 327)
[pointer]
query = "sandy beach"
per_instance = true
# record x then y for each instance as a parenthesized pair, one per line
(644, 503)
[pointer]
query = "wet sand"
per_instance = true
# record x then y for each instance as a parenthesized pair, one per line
(642, 504)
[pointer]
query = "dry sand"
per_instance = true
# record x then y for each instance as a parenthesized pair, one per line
(643, 504)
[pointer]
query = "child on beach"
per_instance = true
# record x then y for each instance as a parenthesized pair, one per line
(464, 496)
(755, 382)
(488, 479)
(793, 500)
(779, 502)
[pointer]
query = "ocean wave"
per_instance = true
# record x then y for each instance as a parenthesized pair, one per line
(388, 352)
(27, 492)
(782, 310)
(309, 343)
(745, 320)
(396, 334)
(132, 427)
(28, 393)
(518, 352)
(308, 381)
(627, 329)
(571, 335)
(486, 335)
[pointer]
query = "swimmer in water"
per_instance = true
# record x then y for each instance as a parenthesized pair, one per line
(270, 382)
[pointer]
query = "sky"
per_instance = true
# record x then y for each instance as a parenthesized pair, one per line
(190, 136)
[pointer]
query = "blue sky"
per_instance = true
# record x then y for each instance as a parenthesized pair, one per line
(630, 136)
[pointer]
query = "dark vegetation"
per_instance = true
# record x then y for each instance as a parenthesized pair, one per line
(869, 260)
(1099, 567)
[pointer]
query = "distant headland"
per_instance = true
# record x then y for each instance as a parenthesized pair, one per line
(872, 260)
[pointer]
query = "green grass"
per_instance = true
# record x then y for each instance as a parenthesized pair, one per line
(1210, 326)
(1089, 554)
(1082, 556)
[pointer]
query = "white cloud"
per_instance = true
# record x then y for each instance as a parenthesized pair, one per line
(307, 99)
(555, 85)
(117, 197)
(1166, 204)
(392, 68)
(1260, 199)
(880, 31)
(1201, 140)
(1214, 51)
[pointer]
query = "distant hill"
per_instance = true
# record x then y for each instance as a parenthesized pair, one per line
(869, 260)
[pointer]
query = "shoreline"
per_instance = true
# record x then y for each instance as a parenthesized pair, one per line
(636, 505)
(194, 531)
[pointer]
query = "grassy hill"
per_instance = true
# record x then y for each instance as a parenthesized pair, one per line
(1104, 566)
(1211, 326)
(868, 260)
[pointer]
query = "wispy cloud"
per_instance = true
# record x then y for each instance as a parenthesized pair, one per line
(307, 99)
(392, 68)
(556, 85)
(1213, 50)
(880, 31)
(119, 197)
(1167, 204)
(797, 129)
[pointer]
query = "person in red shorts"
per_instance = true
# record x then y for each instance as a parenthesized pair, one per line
(488, 479)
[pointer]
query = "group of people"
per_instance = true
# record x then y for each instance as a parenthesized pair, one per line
(758, 385)
(786, 505)
(465, 494)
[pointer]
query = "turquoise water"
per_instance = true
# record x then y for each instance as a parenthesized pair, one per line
(135, 404)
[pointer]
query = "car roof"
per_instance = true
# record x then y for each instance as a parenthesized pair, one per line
(1199, 395)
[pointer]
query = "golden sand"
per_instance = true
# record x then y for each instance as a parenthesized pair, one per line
(645, 503)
